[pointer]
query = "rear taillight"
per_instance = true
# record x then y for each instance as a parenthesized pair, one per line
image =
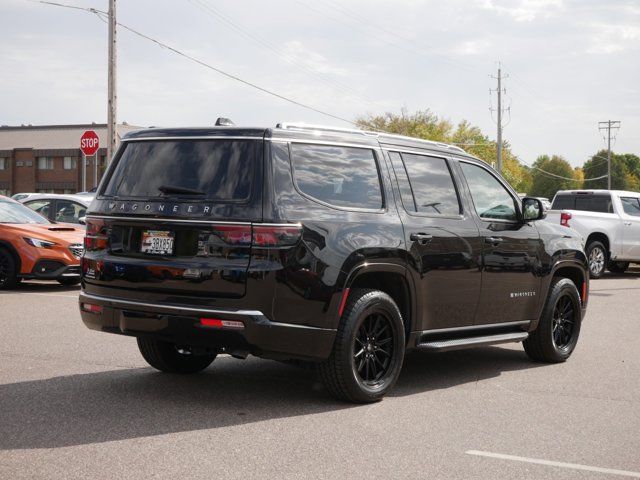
(91, 308)
(218, 323)
(564, 219)
(96, 237)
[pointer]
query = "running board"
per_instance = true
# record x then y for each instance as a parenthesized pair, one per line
(444, 345)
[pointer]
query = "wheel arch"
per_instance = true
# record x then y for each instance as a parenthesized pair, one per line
(14, 253)
(391, 279)
(599, 237)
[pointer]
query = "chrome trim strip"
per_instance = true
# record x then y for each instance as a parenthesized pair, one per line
(476, 327)
(187, 137)
(165, 219)
(257, 314)
(310, 141)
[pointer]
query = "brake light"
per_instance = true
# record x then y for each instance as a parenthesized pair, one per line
(217, 323)
(234, 234)
(91, 308)
(96, 237)
(564, 219)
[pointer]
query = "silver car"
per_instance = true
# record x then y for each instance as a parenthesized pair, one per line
(65, 208)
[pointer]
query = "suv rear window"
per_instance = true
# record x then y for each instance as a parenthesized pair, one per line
(207, 169)
(341, 176)
(594, 203)
(564, 202)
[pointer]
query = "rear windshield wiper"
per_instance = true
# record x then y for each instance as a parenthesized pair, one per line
(179, 190)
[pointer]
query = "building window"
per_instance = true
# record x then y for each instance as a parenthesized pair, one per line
(3, 163)
(69, 163)
(45, 163)
(5, 192)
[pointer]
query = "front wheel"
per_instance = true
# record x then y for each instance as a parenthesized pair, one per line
(368, 351)
(597, 255)
(171, 358)
(557, 333)
(8, 273)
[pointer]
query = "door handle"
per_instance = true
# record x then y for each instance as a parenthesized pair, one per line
(628, 224)
(421, 238)
(493, 240)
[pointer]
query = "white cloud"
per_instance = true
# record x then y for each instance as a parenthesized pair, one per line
(524, 10)
(614, 38)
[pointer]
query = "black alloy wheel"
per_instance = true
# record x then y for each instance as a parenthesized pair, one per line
(368, 351)
(8, 277)
(556, 335)
(373, 347)
(563, 321)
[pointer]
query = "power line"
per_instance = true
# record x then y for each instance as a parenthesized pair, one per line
(104, 16)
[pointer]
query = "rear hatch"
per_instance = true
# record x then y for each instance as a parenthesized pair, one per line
(174, 216)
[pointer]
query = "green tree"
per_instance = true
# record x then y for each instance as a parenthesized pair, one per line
(551, 174)
(625, 171)
(424, 124)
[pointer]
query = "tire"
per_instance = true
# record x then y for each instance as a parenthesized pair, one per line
(68, 282)
(618, 267)
(551, 343)
(597, 255)
(167, 357)
(8, 271)
(368, 351)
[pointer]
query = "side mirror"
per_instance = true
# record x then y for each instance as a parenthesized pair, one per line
(82, 220)
(532, 209)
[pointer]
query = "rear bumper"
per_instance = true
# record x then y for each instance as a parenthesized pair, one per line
(181, 325)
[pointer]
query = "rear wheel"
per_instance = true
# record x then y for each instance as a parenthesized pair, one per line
(597, 255)
(559, 328)
(369, 349)
(618, 267)
(172, 358)
(8, 273)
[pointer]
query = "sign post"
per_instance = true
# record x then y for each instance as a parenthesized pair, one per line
(89, 144)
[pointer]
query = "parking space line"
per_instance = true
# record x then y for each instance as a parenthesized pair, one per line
(574, 466)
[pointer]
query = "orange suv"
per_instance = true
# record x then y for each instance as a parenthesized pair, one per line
(32, 247)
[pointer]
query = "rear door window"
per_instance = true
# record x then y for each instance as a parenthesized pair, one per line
(429, 187)
(220, 170)
(336, 175)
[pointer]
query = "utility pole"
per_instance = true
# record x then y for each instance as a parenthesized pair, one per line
(608, 126)
(499, 111)
(112, 102)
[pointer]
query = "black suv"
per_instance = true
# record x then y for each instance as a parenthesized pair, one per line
(339, 247)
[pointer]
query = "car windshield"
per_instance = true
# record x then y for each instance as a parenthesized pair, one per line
(11, 212)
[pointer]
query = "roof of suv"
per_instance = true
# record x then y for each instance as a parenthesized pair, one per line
(594, 191)
(299, 131)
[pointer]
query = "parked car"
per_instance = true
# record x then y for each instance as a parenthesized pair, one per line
(545, 202)
(342, 248)
(32, 247)
(607, 220)
(21, 196)
(65, 208)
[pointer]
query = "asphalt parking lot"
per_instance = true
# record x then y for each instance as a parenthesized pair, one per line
(79, 404)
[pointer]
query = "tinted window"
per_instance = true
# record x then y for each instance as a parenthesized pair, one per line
(564, 202)
(631, 206)
(431, 184)
(342, 176)
(69, 212)
(490, 197)
(218, 169)
(408, 201)
(594, 203)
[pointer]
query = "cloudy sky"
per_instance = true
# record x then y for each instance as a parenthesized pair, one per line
(570, 64)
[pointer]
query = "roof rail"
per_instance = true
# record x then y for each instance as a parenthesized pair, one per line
(325, 128)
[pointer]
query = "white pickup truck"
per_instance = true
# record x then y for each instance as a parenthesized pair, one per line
(609, 222)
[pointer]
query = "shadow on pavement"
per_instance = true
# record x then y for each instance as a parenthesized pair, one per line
(131, 403)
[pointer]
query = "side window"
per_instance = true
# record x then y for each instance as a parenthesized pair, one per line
(631, 206)
(406, 195)
(490, 197)
(429, 184)
(43, 207)
(69, 212)
(341, 176)
(564, 202)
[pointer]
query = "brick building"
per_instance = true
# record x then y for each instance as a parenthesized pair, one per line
(48, 158)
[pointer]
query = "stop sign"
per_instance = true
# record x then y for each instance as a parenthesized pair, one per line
(89, 143)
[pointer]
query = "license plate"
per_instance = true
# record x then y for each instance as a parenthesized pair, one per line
(157, 242)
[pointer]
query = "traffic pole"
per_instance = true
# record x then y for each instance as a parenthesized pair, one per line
(95, 170)
(84, 172)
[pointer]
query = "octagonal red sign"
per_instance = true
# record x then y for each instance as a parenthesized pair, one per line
(89, 143)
